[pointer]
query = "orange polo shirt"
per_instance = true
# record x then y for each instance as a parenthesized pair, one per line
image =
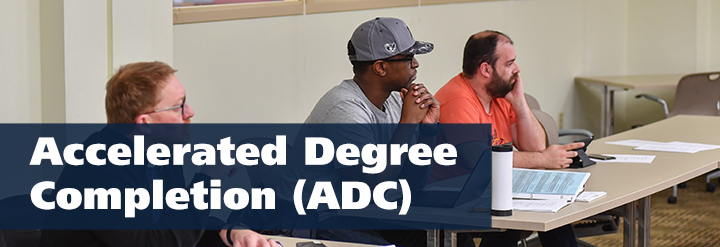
(459, 104)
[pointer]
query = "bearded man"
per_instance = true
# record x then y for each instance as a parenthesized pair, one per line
(490, 90)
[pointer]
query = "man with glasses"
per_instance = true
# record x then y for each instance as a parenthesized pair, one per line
(384, 67)
(382, 91)
(137, 95)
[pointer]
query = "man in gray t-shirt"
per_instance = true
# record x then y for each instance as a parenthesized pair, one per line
(382, 53)
(384, 67)
(346, 103)
(381, 92)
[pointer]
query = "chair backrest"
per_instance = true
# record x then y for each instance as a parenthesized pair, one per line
(547, 122)
(276, 223)
(697, 94)
(532, 102)
(261, 175)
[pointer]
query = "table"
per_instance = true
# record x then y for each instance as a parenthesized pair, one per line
(642, 180)
(627, 184)
(610, 84)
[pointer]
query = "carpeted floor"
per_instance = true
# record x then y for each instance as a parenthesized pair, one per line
(693, 221)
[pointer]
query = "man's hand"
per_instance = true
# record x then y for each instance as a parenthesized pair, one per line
(560, 156)
(247, 238)
(424, 100)
(427, 100)
(412, 112)
(517, 95)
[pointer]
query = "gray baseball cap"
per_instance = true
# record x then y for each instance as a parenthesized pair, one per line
(384, 37)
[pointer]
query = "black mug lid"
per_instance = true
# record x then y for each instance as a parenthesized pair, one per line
(507, 147)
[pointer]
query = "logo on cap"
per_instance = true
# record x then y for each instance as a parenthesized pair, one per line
(390, 47)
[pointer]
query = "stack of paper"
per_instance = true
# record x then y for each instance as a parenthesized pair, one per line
(544, 184)
(680, 147)
(554, 205)
(589, 196)
(548, 191)
(550, 205)
(634, 143)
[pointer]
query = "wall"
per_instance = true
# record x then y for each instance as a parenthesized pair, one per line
(52, 61)
(55, 56)
(713, 37)
(275, 69)
(100, 36)
(19, 62)
(666, 37)
(296, 59)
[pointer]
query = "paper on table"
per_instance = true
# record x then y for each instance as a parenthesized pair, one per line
(552, 205)
(545, 184)
(635, 143)
(628, 158)
(699, 146)
(669, 148)
(676, 146)
(588, 196)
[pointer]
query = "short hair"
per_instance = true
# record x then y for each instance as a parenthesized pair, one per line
(480, 48)
(134, 89)
(359, 67)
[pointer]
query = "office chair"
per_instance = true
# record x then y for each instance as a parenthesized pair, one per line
(604, 223)
(265, 176)
(696, 94)
(551, 129)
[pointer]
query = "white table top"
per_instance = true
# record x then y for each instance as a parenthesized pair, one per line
(636, 82)
(624, 182)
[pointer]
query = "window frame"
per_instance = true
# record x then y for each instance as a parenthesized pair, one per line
(325, 6)
(222, 12)
(238, 11)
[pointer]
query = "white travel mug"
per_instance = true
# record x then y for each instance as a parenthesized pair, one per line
(502, 160)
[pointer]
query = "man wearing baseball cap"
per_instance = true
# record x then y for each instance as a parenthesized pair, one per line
(382, 52)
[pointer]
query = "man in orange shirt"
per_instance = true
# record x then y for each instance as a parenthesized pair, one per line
(490, 90)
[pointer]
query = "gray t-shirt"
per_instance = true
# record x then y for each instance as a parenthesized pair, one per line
(346, 103)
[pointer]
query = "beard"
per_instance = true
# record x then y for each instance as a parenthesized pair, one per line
(498, 88)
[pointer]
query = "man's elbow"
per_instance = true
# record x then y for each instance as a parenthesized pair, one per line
(531, 147)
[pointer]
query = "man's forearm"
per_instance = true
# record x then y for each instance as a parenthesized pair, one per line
(533, 160)
(530, 134)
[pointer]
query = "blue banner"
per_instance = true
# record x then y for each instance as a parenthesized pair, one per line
(300, 176)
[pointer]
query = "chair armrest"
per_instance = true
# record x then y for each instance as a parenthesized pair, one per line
(656, 99)
(578, 132)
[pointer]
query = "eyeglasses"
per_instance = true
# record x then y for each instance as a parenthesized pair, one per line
(181, 106)
(408, 58)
